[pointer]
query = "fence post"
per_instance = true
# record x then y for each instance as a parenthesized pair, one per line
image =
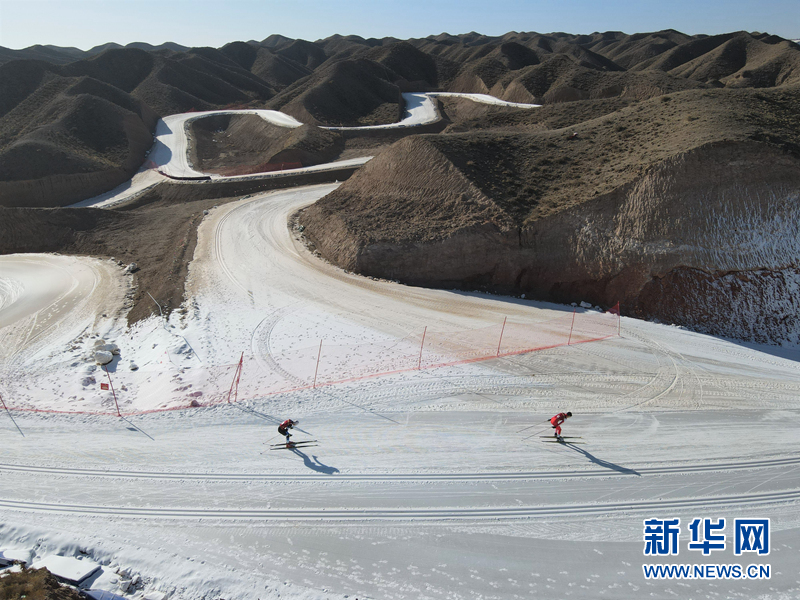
(501, 336)
(419, 362)
(119, 414)
(9, 415)
(319, 354)
(237, 374)
(572, 326)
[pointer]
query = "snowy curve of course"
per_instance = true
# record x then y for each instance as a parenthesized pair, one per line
(169, 154)
(47, 304)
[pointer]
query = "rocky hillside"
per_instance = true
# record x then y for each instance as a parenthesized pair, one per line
(681, 207)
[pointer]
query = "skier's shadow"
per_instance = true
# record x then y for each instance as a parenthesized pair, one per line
(603, 463)
(255, 413)
(314, 464)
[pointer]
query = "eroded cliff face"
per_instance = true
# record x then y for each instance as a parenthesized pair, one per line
(707, 239)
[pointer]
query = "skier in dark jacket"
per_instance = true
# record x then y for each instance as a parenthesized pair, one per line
(284, 428)
(558, 420)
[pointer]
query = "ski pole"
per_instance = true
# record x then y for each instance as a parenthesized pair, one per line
(533, 434)
(534, 425)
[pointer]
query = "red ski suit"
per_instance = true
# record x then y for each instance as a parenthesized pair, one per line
(284, 428)
(557, 421)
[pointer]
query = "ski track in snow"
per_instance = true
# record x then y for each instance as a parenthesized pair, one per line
(674, 424)
(360, 514)
(483, 476)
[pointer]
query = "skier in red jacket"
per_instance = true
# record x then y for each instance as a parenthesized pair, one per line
(284, 428)
(558, 420)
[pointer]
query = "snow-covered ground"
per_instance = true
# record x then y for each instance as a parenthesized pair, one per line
(430, 483)
(482, 98)
(48, 303)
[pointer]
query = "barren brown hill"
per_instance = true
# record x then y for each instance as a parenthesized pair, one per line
(274, 41)
(638, 197)
(59, 55)
(239, 144)
(51, 54)
(347, 92)
(661, 171)
(68, 139)
(185, 82)
(629, 50)
(738, 59)
(735, 59)
(744, 61)
(345, 44)
(560, 78)
(481, 75)
(277, 71)
(136, 45)
(407, 63)
(168, 82)
(304, 53)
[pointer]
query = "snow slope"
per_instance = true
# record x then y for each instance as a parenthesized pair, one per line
(424, 484)
(46, 301)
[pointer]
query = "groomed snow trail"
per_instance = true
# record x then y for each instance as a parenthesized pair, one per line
(429, 484)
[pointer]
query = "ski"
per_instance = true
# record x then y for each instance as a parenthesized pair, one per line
(561, 442)
(295, 446)
(295, 443)
(563, 437)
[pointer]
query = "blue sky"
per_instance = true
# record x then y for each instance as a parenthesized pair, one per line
(87, 23)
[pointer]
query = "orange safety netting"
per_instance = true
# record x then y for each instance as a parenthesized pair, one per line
(330, 364)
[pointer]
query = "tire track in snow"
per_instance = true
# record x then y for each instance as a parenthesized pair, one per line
(687, 364)
(260, 345)
(675, 380)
